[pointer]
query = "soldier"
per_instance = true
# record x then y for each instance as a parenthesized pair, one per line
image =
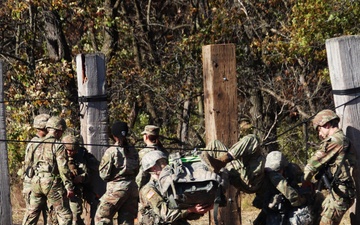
(119, 167)
(40, 126)
(334, 161)
(151, 139)
(283, 201)
(245, 163)
(80, 163)
(154, 207)
(51, 176)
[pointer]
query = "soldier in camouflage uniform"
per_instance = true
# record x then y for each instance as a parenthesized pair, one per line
(244, 161)
(40, 126)
(151, 139)
(336, 159)
(154, 208)
(283, 201)
(119, 167)
(51, 177)
(78, 160)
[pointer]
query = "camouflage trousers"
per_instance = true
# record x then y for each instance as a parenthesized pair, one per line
(76, 206)
(47, 191)
(26, 194)
(246, 171)
(120, 197)
(334, 209)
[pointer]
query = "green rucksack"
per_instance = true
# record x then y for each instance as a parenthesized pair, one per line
(187, 181)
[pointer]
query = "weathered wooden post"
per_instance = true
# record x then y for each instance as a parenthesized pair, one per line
(91, 76)
(343, 55)
(221, 112)
(5, 203)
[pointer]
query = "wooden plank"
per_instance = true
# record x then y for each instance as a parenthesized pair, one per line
(91, 77)
(92, 88)
(221, 109)
(5, 203)
(343, 55)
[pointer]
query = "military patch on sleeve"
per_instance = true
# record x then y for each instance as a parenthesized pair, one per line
(150, 194)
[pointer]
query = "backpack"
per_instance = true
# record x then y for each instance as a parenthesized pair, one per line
(187, 181)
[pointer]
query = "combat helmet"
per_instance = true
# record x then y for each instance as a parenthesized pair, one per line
(40, 121)
(56, 123)
(323, 117)
(71, 142)
(149, 159)
(275, 161)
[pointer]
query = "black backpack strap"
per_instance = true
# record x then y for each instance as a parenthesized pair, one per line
(220, 200)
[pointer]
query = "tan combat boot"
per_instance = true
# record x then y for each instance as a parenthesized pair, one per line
(215, 164)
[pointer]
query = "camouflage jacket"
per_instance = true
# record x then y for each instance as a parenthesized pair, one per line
(28, 161)
(119, 163)
(50, 157)
(85, 165)
(281, 185)
(154, 208)
(336, 155)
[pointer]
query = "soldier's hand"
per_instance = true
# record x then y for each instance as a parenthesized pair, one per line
(200, 209)
(78, 179)
(70, 193)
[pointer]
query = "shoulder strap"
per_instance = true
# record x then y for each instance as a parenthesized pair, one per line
(33, 151)
(52, 144)
(338, 170)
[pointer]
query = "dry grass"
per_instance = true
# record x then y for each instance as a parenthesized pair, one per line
(248, 212)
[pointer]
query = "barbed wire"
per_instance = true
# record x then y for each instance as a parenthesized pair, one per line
(34, 100)
(110, 145)
(306, 121)
(83, 98)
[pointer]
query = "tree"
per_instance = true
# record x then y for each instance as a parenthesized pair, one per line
(153, 54)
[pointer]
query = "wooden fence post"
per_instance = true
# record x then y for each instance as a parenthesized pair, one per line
(91, 77)
(343, 55)
(221, 112)
(5, 203)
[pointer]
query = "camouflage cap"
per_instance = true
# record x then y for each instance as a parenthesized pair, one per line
(275, 161)
(40, 121)
(151, 130)
(323, 117)
(71, 142)
(149, 159)
(56, 123)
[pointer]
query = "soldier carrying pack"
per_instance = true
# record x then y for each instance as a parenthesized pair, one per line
(187, 181)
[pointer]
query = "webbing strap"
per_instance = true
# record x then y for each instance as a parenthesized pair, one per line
(349, 91)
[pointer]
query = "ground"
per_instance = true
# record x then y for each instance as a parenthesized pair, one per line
(248, 213)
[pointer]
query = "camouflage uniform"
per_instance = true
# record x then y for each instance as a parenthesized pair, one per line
(39, 123)
(51, 175)
(142, 178)
(281, 200)
(334, 151)
(119, 167)
(80, 163)
(246, 171)
(154, 208)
